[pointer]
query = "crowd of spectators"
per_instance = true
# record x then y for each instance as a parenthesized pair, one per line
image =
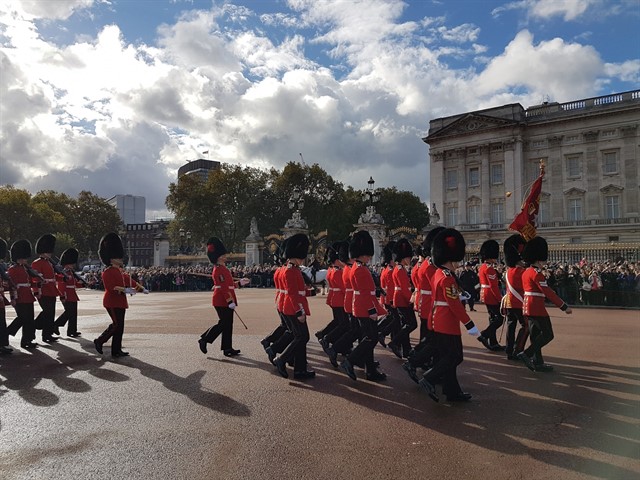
(583, 283)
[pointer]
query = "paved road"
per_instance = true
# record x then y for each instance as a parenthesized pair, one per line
(170, 412)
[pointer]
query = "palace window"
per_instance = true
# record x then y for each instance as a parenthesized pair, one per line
(452, 179)
(610, 162)
(496, 173)
(497, 212)
(575, 209)
(543, 211)
(612, 206)
(452, 216)
(474, 177)
(473, 214)
(574, 166)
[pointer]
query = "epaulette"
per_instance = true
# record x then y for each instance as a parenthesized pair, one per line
(446, 271)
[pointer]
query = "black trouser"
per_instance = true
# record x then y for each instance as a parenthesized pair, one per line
(515, 344)
(342, 325)
(69, 315)
(45, 319)
(277, 333)
(224, 327)
(115, 330)
(296, 351)
(24, 320)
(449, 350)
(335, 322)
(541, 334)
(390, 325)
(344, 343)
(495, 321)
(409, 324)
(281, 336)
(425, 351)
(4, 335)
(362, 355)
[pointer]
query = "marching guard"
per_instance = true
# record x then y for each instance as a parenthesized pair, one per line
(5, 282)
(22, 297)
(402, 296)
(490, 294)
(390, 324)
(67, 284)
(335, 299)
(513, 247)
(45, 289)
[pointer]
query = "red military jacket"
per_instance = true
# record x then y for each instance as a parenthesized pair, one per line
(402, 287)
(385, 276)
(46, 287)
(426, 273)
(489, 289)
(448, 310)
(113, 277)
(3, 299)
(348, 287)
(223, 287)
(515, 291)
(535, 291)
(415, 281)
(67, 284)
(335, 298)
(365, 302)
(295, 292)
(277, 280)
(22, 282)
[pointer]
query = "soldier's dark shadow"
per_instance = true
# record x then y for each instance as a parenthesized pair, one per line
(514, 411)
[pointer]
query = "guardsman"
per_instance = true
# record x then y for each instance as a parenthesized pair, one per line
(490, 294)
(402, 253)
(45, 290)
(67, 284)
(23, 299)
(117, 285)
(366, 309)
(335, 299)
(390, 324)
(415, 282)
(512, 301)
(536, 290)
(5, 282)
(278, 340)
(295, 310)
(448, 313)
(224, 300)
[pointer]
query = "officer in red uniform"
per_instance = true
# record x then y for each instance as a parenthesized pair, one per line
(296, 309)
(335, 299)
(224, 300)
(390, 324)
(366, 308)
(117, 285)
(23, 299)
(5, 283)
(277, 341)
(67, 284)
(448, 313)
(401, 344)
(490, 294)
(45, 290)
(513, 247)
(536, 290)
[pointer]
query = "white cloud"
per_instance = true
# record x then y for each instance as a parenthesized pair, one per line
(53, 9)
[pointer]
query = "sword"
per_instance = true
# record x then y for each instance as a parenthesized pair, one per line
(240, 318)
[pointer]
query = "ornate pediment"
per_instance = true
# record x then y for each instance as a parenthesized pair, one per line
(611, 188)
(574, 192)
(470, 123)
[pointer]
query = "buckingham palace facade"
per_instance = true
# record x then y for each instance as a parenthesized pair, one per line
(483, 163)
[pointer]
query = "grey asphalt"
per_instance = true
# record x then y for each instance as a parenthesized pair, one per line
(170, 412)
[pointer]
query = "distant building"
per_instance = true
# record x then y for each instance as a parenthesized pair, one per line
(131, 208)
(139, 242)
(200, 167)
(483, 162)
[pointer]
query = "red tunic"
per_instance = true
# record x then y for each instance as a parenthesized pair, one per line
(67, 286)
(295, 292)
(402, 287)
(415, 281)
(365, 302)
(113, 277)
(448, 311)
(22, 282)
(348, 288)
(335, 298)
(489, 289)
(48, 287)
(535, 291)
(277, 280)
(385, 276)
(514, 282)
(223, 287)
(426, 273)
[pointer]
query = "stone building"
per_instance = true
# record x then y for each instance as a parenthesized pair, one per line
(483, 163)
(140, 242)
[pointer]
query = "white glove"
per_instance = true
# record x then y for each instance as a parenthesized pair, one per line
(145, 291)
(130, 291)
(232, 306)
(464, 296)
(474, 331)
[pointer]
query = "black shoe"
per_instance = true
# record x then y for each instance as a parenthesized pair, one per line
(496, 347)
(319, 335)
(526, 359)
(29, 345)
(348, 369)
(203, 345)
(304, 375)
(271, 354)
(472, 310)
(49, 339)
(429, 388)
(324, 344)
(74, 335)
(98, 346)
(5, 350)
(376, 376)
(333, 356)
(56, 330)
(459, 397)
(485, 341)
(396, 349)
(282, 369)
(231, 352)
(121, 353)
(543, 367)
(411, 371)
(265, 343)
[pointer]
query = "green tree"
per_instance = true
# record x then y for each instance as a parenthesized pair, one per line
(94, 217)
(402, 209)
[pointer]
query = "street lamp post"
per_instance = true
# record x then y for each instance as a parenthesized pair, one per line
(188, 241)
(181, 233)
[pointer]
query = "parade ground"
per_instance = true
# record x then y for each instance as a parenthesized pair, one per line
(170, 412)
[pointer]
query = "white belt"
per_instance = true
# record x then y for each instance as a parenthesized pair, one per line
(349, 290)
(398, 288)
(335, 289)
(71, 286)
(425, 292)
(23, 285)
(302, 292)
(534, 294)
(220, 286)
(440, 304)
(48, 280)
(485, 286)
(358, 292)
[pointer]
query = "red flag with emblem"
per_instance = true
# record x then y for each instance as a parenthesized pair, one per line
(526, 222)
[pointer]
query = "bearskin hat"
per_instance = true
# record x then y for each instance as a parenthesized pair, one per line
(69, 256)
(535, 250)
(428, 240)
(297, 246)
(279, 255)
(513, 247)
(215, 249)
(333, 252)
(402, 249)
(110, 247)
(343, 251)
(489, 249)
(45, 244)
(20, 249)
(387, 252)
(418, 251)
(3, 249)
(361, 244)
(448, 246)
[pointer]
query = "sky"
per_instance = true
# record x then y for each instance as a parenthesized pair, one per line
(113, 96)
